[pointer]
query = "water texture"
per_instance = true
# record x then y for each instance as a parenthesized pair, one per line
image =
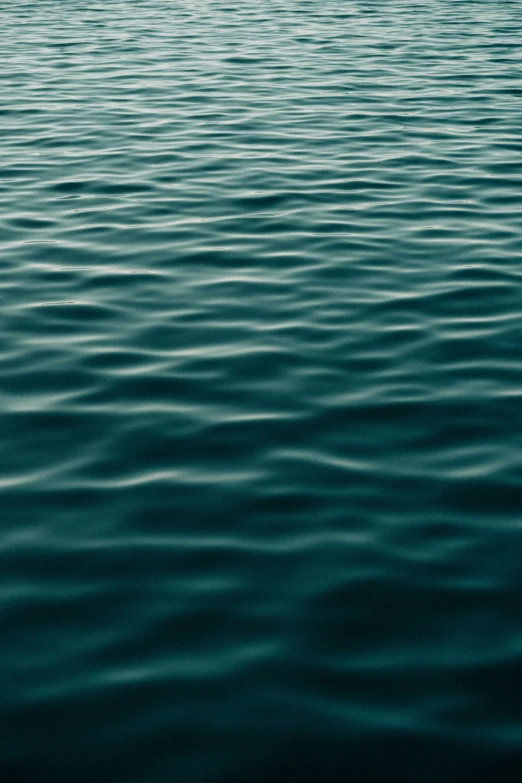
(261, 391)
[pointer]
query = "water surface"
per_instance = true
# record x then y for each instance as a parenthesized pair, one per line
(261, 391)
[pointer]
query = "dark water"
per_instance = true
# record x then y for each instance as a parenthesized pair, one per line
(261, 386)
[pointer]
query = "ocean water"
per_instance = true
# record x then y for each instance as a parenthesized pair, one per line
(261, 391)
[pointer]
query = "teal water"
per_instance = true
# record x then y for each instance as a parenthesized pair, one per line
(261, 391)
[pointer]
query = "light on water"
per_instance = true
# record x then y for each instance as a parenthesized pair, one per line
(261, 391)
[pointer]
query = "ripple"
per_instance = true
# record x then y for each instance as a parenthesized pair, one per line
(261, 391)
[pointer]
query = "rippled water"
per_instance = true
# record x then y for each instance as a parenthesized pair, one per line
(261, 389)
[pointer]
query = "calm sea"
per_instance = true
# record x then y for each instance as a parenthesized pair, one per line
(261, 391)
